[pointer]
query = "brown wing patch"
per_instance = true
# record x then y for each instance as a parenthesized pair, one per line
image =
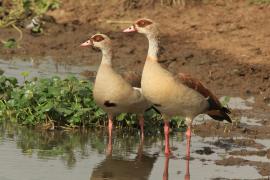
(197, 86)
(143, 22)
(215, 110)
(97, 38)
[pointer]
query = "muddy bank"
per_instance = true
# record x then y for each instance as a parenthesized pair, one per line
(262, 167)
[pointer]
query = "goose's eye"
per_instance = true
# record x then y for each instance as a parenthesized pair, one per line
(143, 23)
(98, 38)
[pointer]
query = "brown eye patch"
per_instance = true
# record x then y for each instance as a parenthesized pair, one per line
(98, 38)
(143, 23)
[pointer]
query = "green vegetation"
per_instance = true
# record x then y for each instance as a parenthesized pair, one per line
(10, 43)
(225, 101)
(53, 102)
(13, 11)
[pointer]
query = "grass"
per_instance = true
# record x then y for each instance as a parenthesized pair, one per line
(64, 103)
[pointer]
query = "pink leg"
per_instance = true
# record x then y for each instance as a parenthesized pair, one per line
(166, 133)
(140, 150)
(110, 127)
(166, 169)
(188, 135)
(142, 127)
(187, 175)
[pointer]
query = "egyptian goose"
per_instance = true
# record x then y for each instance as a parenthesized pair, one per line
(174, 95)
(111, 91)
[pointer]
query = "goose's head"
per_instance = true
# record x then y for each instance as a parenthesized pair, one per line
(100, 41)
(144, 26)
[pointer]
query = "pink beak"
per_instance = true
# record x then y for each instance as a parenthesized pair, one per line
(86, 43)
(130, 29)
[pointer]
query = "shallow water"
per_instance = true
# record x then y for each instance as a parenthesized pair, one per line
(29, 155)
(46, 67)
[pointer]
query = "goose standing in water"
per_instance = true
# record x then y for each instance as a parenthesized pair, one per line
(174, 95)
(111, 91)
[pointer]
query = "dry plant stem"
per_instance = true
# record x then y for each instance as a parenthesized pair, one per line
(17, 29)
(117, 22)
(173, 2)
(182, 2)
(161, 2)
(20, 32)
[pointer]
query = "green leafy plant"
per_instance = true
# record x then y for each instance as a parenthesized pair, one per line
(25, 74)
(53, 102)
(65, 102)
(16, 10)
(41, 6)
(7, 84)
(225, 101)
(37, 29)
(10, 43)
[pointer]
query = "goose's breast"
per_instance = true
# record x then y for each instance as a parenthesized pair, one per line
(170, 96)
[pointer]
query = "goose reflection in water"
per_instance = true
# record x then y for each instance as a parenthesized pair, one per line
(118, 168)
(166, 168)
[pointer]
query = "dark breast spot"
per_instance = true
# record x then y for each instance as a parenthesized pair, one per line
(109, 104)
(157, 105)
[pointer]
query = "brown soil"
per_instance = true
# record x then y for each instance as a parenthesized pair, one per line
(243, 143)
(231, 130)
(245, 152)
(262, 167)
(225, 44)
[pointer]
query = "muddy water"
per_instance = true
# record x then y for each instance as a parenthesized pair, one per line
(28, 154)
(46, 67)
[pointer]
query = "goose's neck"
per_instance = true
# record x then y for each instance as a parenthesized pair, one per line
(106, 56)
(153, 46)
